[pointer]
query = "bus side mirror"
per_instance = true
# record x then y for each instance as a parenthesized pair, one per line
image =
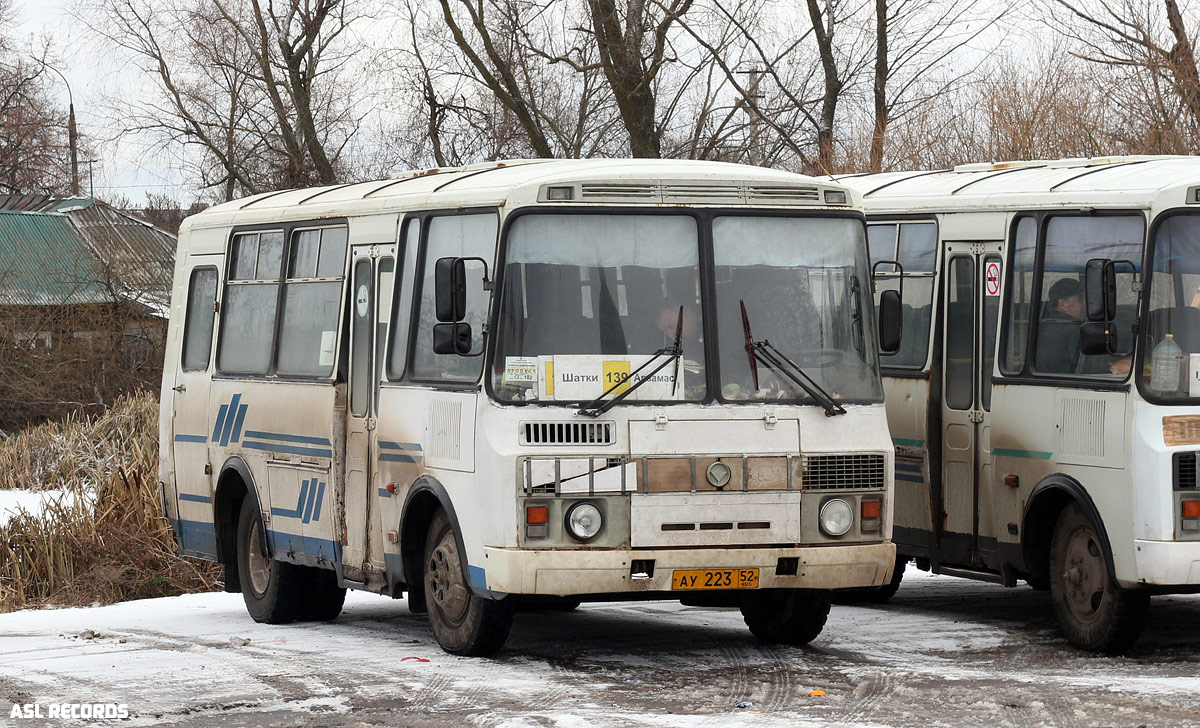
(1100, 288)
(1097, 337)
(452, 338)
(450, 290)
(891, 322)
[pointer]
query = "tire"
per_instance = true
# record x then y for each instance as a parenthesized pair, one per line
(271, 588)
(1095, 614)
(463, 622)
(323, 599)
(786, 616)
(874, 594)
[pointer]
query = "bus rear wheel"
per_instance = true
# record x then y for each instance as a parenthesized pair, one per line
(463, 622)
(786, 616)
(324, 598)
(270, 588)
(1094, 612)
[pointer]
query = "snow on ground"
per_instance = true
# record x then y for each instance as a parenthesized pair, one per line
(944, 652)
(13, 502)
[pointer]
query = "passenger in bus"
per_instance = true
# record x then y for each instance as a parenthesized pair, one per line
(1058, 331)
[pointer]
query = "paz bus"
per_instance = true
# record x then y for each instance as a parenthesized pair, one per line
(532, 382)
(1045, 400)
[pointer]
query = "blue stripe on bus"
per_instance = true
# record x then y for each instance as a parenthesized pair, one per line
(191, 438)
(196, 538)
(478, 577)
(220, 423)
(293, 449)
(320, 548)
(399, 458)
(237, 424)
(230, 416)
(910, 478)
(320, 497)
(287, 438)
(1014, 453)
(195, 498)
(904, 442)
(294, 512)
(383, 493)
(389, 445)
(908, 467)
(308, 507)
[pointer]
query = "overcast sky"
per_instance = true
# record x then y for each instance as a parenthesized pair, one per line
(119, 169)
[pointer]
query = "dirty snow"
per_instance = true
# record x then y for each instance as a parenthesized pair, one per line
(33, 502)
(944, 652)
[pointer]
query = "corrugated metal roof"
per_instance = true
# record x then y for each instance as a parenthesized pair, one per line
(88, 252)
(44, 261)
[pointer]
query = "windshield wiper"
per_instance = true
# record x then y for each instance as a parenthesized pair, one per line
(764, 351)
(673, 354)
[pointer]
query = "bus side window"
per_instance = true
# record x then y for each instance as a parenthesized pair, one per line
(1020, 295)
(915, 246)
(198, 323)
(312, 296)
(402, 305)
(455, 236)
(251, 297)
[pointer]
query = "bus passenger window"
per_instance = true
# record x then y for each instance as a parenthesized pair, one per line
(312, 297)
(198, 324)
(402, 306)
(251, 296)
(451, 236)
(1020, 292)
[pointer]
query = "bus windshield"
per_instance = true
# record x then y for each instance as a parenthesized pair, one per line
(1172, 338)
(589, 299)
(804, 284)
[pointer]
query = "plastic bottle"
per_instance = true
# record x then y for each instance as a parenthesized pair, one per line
(1166, 365)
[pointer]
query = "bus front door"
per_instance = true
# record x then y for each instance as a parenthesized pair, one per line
(972, 295)
(362, 556)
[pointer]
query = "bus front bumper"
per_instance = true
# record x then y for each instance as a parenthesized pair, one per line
(1168, 563)
(567, 572)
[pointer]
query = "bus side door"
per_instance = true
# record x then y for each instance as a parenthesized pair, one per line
(972, 297)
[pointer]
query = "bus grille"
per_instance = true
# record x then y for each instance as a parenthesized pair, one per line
(834, 472)
(1184, 471)
(567, 433)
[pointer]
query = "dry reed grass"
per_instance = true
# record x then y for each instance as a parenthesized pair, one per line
(110, 542)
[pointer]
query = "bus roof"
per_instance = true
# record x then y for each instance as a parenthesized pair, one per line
(613, 181)
(1130, 181)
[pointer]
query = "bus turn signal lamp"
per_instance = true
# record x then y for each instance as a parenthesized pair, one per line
(537, 521)
(1191, 515)
(870, 515)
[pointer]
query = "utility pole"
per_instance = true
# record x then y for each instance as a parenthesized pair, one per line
(72, 136)
(750, 104)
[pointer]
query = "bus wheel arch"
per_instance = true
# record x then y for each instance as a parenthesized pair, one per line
(425, 498)
(234, 485)
(1045, 504)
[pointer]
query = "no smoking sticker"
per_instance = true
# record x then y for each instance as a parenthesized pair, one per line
(991, 278)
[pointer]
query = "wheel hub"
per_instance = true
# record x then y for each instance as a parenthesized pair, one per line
(1085, 575)
(260, 565)
(445, 584)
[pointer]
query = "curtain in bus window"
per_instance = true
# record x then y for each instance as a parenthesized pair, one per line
(198, 326)
(454, 236)
(1071, 241)
(312, 298)
(1020, 291)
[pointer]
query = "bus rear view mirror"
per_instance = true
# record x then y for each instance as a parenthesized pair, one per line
(450, 289)
(1100, 288)
(452, 338)
(891, 322)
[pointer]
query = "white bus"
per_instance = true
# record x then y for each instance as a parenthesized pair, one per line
(532, 380)
(1025, 449)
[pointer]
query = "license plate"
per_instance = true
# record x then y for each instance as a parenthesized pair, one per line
(714, 579)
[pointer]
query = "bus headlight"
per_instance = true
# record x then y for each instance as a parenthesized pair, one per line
(583, 521)
(836, 517)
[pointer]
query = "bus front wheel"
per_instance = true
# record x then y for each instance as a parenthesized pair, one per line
(1094, 612)
(786, 616)
(463, 622)
(271, 588)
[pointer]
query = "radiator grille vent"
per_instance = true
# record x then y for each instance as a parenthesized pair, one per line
(567, 433)
(834, 472)
(1184, 471)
